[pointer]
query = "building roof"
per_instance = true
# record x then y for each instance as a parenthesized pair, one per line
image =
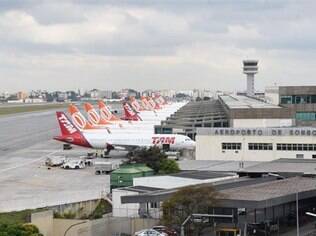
(139, 189)
(202, 175)
(269, 194)
(244, 102)
(182, 179)
(214, 165)
(132, 168)
(303, 166)
(161, 195)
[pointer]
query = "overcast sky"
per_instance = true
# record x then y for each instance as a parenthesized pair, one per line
(145, 44)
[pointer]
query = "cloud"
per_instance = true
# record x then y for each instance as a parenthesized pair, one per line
(145, 44)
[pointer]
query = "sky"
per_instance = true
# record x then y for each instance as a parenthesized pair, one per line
(166, 44)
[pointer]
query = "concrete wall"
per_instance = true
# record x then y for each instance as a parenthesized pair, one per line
(123, 210)
(209, 147)
(107, 226)
(81, 209)
(44, 221)
(61, 225)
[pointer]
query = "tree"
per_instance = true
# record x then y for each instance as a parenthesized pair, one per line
(155, 159)
(187, 201)
(168, 166)
(19, 230)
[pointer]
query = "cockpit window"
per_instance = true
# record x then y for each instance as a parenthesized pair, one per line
(187, 139)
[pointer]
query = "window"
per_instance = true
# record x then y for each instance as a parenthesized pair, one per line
(305, 116)
(260, 146)
(231, 146)
(300, 156)
(154, 205)
(298, 99)
(296, 147)
(286, 99)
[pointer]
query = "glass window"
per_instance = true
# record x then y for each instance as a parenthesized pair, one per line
(286, 99)
(278, 146)
(305, 147)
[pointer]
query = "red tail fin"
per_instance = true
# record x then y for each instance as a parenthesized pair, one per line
(66, 126)
(69, 133)
(129, 113)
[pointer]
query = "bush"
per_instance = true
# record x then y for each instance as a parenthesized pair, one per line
(103, 207)
(19, 230)
(155, 159)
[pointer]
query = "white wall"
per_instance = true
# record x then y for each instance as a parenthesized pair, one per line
(123, 210)
(271, 95)
(261, 123)
(209, 147)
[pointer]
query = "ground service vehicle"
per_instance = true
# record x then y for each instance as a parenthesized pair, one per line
(102, 168)
(55, 161)
(74, 164)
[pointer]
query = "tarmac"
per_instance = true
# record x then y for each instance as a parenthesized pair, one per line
(25, 181)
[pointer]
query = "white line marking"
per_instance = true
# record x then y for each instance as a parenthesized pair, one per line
(28, 163)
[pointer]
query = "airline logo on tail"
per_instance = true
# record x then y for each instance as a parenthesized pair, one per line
(129, 110)
(104, 111)
(78, 119)
(93, 116)
(129, 113)
(69, 133)
(64, 122)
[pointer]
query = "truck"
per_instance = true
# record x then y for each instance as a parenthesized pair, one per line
(74, 164)
(55, 161)
(102, 168)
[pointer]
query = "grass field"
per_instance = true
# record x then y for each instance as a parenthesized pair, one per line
(17, 217)
(29, 108)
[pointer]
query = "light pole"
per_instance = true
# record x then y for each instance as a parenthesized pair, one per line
(297, 219)
(71, 226)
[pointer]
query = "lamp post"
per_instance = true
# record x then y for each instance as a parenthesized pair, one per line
(297, 219)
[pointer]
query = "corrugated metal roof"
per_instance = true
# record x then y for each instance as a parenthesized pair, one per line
(284, 166)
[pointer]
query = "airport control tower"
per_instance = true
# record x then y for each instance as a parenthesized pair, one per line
(250, 69)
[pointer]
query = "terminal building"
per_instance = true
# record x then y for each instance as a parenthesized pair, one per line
(255, 144)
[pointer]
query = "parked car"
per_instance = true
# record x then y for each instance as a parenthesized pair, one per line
(166, 230)
(74, 164)
(55, 160)
(104, 167)
(149, 232)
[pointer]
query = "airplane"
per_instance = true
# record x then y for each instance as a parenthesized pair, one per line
(100, 125)
(95, 118)
(72, 135)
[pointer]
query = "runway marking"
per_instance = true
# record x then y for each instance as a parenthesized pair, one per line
(28, 163)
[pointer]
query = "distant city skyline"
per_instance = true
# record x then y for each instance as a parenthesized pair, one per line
(110, 45)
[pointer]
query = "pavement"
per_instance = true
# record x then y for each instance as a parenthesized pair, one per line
(25, 181)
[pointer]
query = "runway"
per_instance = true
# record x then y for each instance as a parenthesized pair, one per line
(25, 181)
